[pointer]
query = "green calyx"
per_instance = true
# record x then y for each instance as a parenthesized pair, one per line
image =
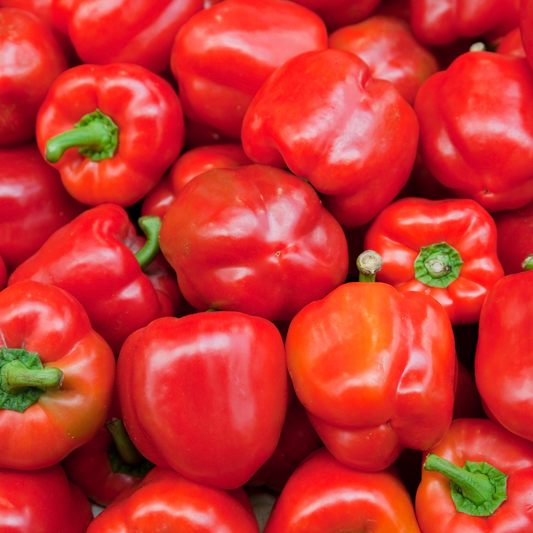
(23, 379)
(95, 135)
(122, 454)
(477, 489)
(150, 226)
(438, 265)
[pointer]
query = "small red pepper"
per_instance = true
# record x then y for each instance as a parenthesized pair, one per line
(111, 131)
(325, 496)
(56, 376)
(99, 259)
(42, 501)
(168, 501)
(445, 248)
(30, 60)
(478, 479)
(33, 203)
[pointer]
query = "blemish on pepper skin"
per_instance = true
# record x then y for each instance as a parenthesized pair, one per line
(278, 253)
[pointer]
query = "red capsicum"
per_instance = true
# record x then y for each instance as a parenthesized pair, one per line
(472, 116)
(99, 259)
(387, 45)
(374, 368)
(42, 500)
(254, 239)
(205, 394)
(321, 115)
(33, 203)
(111, 131)
(445, 248)
(188, 166)
(30, 60)
(445, 21)
(141, 33)
(168, 501)
(56, 376)
(222, 55)
(478, 479)
(503, 363)
(325, 496)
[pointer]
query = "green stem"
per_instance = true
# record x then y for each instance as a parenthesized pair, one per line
(477, 489)
(438, 265)
(125, 447)
(96, 136)
(15, 377)
(150, 226)
(527, 263)
(368, 264)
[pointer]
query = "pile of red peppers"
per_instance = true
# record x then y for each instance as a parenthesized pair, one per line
(274, 249)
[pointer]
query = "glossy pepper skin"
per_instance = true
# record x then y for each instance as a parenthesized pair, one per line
(44, 326)
(223, 55)
(325, 496)
(123, 31)
(445, 21)
(375, 370)
(93, 258)
(478, 441)
(33, 203)
(502, 363)
(42, 500)
(320, 115)
(472, 116)
(205, 394)
(254, 239)
(187, 166)
(165, 500)
(30, 60)
(445, 248)
(387, 45)
(125, 128)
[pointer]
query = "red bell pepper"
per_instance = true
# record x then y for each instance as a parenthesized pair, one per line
(30, 60)
(167, 501)
(472, 116)
(205, 394)
(254, 239)
(324, 117)
(445, 248)
(107, 465)
(33, 203)
(515, 238)
(99, 259)
(478, 479)
(503, 364)
(188, 166)
(375, 370)
(42, 501)
(324, 496)
(388, 47)
(222, 55)
(56, 376)
(526, 28)
(42, 10)
(337, 13)
(111, 131)
(141, 33)
(445, 21)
